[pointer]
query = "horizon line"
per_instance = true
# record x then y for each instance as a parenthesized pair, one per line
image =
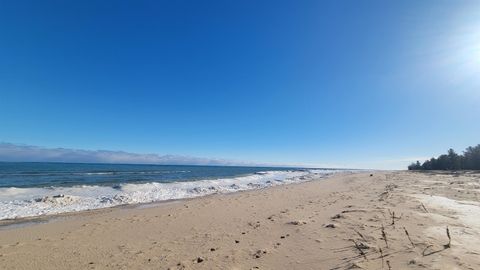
(25, 153)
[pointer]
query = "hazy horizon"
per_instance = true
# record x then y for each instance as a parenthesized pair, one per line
(10, 152)
(28, 153)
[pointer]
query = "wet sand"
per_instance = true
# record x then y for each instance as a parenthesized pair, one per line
(391, 219)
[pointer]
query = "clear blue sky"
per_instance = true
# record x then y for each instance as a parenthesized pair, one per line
(343, 83)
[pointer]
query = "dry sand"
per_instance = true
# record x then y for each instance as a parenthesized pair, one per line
(335, 223)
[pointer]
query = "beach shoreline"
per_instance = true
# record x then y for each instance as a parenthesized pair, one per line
(6, 223)
(334, 223)
(76, 188)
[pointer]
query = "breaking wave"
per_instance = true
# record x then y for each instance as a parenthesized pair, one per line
(37, 201)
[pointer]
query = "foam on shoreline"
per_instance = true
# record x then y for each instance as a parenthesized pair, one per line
(30, 202)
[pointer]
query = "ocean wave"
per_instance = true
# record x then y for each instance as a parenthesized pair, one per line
(30, 202)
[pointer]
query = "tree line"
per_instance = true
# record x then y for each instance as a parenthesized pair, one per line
(469, 160)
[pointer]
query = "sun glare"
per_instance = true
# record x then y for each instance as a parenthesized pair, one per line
(459, 60)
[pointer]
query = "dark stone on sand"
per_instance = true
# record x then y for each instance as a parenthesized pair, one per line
(212, 249)
(329, 225)
(297, 222)
(236, 241)
(337, 216)
(200, 259)
(259, 253)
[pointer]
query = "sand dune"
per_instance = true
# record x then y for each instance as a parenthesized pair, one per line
(391, 220)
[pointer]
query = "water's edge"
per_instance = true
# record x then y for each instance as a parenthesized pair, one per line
(7, 224)
(23, 203)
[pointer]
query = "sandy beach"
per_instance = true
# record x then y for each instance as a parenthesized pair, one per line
(388, 220)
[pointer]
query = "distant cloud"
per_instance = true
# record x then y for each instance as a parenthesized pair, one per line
(29, 153)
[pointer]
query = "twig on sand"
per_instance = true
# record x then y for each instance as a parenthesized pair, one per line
(424, 208)
(381, 255)
(446, 246)
(449, 239)
(392, 215)
(388, 264)
(408, 236)
(361, 235)
(425, 249)
(384, 236)
(353, 210)
(359, 249)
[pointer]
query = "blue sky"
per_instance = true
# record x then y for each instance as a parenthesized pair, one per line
(371, 84)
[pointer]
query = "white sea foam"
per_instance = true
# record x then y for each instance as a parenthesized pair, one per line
(29, 202)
